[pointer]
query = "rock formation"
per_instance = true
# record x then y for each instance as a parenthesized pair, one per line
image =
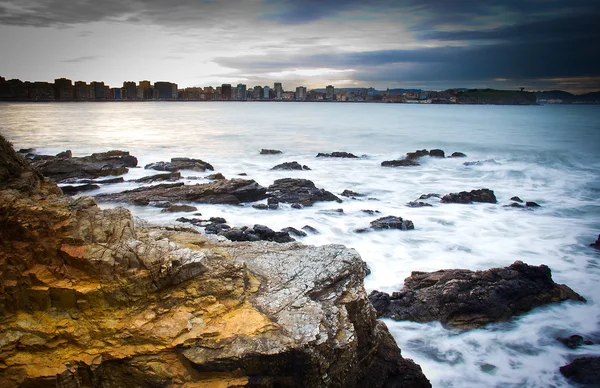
(399, 163)
(482, 195)
(299, 191)
(583, 370)
(337, 154)
(177, 164)
(465, 299)
(291, 166)
(89, 300)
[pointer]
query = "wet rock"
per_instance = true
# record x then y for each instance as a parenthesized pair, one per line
(160, 204)
(531, 204)
(481, 195)
(370, 212)
(260, 206)
(418, 204)
(265, 151)
(214, 177)
(109, 181)
(273, 203)
(93, 166)
(179, 209)
(465, 299)
(332, 212)
(437, 153)
(301, 191)
(584, 370)
(481, 163)
(294, 231)
(430, 195)
(515, 205)
(257, 233)
(392, 222)
(296, 206)
(337, 154)
(516, 199)
(217, 220)
(596, 244)
(351, 194)
(458, 155)
(26, 150)
(177, 164)
(171, 176)
(310, 229)
(233, 191)
(574, 341)
(290, 166)
(64, 154)
(72, 190)
(242, 174)
(417, 154)
(399, 163)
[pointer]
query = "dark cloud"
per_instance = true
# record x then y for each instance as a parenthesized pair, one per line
(81, 59)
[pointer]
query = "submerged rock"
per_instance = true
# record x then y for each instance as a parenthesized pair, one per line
(337, 154)
(481, 195)
(583, 370)
(299, 191)
(179, 209)
(465, 299)
(399, 163)
(351, 194)
(481, 163)
(290, 166)
(437, 153)
(92, 166)
(417, 154)
(233, 191)
(265, 151)
(574, 341)
(87, 299)
(418, 204)
(458, 155)
(177, 164)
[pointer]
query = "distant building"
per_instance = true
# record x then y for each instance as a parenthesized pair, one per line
(330, 93)
(301, 93)
(165, 91)
(82, 91)
(278, 90)
(130, 91)
(98, 89)
(115, 93)
(106, 92)
(258, 93)
(41, 91)
(241, 91)
(266, 93)
(63, 89)
(143, 90)
(226, 91)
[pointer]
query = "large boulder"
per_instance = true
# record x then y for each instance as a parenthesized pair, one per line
(177, 164)
(399, 163)
(337, 154)
(290, 166)
(465, 299)
(92, 166)
(232, 191)
(481, 195)
(88, 299)
(299, 191)
(596, 244)
(392, 222)
(583, 370)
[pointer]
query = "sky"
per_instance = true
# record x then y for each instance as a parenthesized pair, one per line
(426, 44)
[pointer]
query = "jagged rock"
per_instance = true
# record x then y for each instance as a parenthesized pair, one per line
(370, 212)
(87, 299)
(337, 154)
(596, 244)
(93, 166)
(65, 154)
(273, 203)
(350, 194)
(583, 370)
(417, 154)
(310, 229)
(418, 204)
(177, 164)
(531, 204)
(179, 209)
(481, 163)
(458, 155)
(290, 166)
(260, 206)
(574, 341)
(72, 190)
(216, 176)
(294, 231)
(465, 299)
(430, 195)
(515, 205)
(399, 163)
(265, 151)
(437, 153)
(233, 191)
(516, 199)
(301, 191)
(392, 222)
(170, 176)
(481, 195)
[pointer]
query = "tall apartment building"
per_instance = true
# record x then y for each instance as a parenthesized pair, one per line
(241, 91)
(266, 93)
(278, 89)
(165, 90)
(258, 93)
(130, 91)
(82, 91)
(330, 93)
(144, 91)
(98, 89)
(63, 89)
(226, 91)
(301, 93)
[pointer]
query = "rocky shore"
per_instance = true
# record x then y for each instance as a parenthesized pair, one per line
(89, 299)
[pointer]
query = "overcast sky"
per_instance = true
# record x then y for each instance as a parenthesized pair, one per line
(429, 44)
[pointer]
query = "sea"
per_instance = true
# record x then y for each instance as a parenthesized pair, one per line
(547, 154)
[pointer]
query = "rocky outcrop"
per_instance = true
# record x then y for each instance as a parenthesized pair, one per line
(481, 195)
(177, 164)
(88, 299)
(290, 166)
(170, 176)
(417, 154)
(266, 151)
(574, 341)
(233, 192)
(72, 190)
(399, 163)
(337, 154)
(465, 299)
(596, 244)
(92, 166)
(351, 194)
(458, 155)
(392, 222)
(583, 370)
(299, 191)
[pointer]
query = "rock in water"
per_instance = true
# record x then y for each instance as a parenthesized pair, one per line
(300, 191)
(337, 154)
(177, 164)
(596, 244)
(399, 163)
(87, 299)
(266, 151)
(584, 370)
(482, 195)
(465, 299)
(290, 166)
(392, 222)
(93, 166)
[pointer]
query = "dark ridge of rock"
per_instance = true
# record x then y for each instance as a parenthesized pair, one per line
(516, 199)
(265, 151)
(430, 195)
(261, 206)
(437, 153)
(179, 209)
(574, 341)
(596, 244)
(418, 204)
(417, 154)
(217, 176)
(458, 155)
(301, 191)
(92, 166)
(64, 154)
(337, 154)
(170, 176)
(583, 370)
(370, 212)
(290, 166)
(233, 191)
(481, 163)
(392, 222)
(177, 164)
(350, 194)
(294, 231)
(242, 174)
(256, 233)
(481, 195)
(465, 299)
(26, 150)
(108, 181)
(515, 205)
(310, 229)
(72, 190)
(531, 204)
(399, 163)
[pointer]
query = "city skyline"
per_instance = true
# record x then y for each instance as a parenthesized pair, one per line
(430, 45)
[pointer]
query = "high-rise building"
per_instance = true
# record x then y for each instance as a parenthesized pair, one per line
(330, 93)
(98, 89)
(266, 93)
(301, 93)
(241, 91)
(115, 93)
(278, 89)
(165, 90)
(226, 91)
(63, 89)
(143, 90)
(258, 93)
(130, 91)
(82, 91)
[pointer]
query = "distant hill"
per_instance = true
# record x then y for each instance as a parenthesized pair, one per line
(496, 97)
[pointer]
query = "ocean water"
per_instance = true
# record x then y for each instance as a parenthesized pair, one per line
(546, 154)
